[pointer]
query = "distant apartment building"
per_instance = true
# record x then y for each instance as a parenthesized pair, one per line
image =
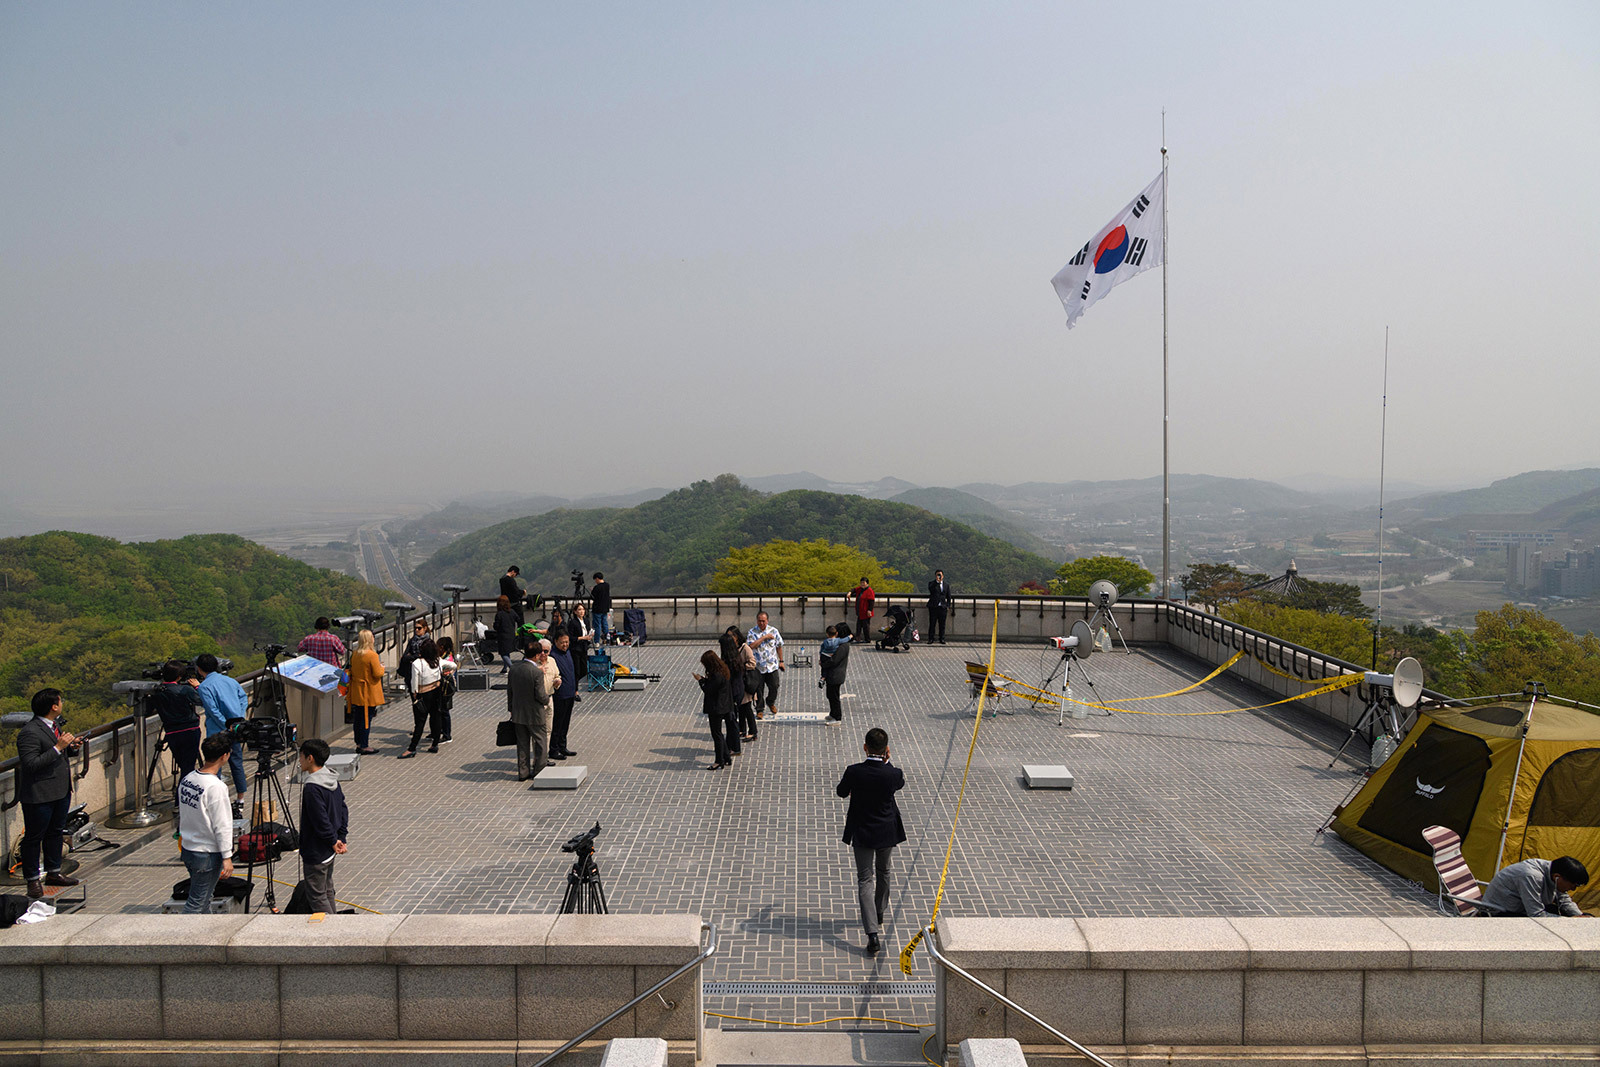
(1508, 538)
(1573, 576)
(1524, 567)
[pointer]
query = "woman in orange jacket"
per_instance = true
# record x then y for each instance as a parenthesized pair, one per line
(364, 695)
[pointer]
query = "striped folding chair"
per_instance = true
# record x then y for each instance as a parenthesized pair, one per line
(1456, 881)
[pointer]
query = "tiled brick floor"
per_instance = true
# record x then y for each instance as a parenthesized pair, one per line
(1208, 815)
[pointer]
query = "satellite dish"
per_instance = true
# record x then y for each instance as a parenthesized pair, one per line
(1407, 682)
(1085, 636)
(1103, 593)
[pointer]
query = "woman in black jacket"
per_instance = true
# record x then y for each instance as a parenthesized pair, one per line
(728, 648)
(834, 675)
(505, 631)
(714, 686)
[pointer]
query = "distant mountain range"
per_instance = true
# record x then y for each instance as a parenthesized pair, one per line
(485, 509)
(1194, 494)
(1518, 495)
(983, 516)
(882, 489)
(672, 544)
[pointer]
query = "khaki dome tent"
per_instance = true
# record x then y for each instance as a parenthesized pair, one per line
(1462, 768)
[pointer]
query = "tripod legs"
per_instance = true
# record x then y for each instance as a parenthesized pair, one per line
(585, 895)
(1372, 716)
(266, 792)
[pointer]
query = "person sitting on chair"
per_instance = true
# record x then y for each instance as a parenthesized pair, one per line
(1536, 888)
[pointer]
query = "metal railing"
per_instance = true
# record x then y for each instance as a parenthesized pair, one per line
(927, 936)
(707, 930)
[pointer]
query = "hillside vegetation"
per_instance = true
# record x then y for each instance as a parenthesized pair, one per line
(982, 516)
(671, 545)
(80, 612)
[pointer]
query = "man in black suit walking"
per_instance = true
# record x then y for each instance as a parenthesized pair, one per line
(938, 605)
(872, 827)
(44, 789)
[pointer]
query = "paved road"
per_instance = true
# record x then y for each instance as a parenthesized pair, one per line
(383, 568)
(1208, 815)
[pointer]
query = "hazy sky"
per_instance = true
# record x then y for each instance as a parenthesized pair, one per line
(417, 251)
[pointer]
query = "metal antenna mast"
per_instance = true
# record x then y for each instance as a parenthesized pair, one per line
(1383, 447)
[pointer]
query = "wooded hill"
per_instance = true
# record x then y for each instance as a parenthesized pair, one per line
(79, 612)
(671, 545)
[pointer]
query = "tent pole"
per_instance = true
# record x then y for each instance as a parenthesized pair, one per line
(1505, 826)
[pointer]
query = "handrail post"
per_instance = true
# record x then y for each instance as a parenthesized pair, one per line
(927, 938)
(705, 953)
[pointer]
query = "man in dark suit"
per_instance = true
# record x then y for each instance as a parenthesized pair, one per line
(872, 827)
(528, 703)
(44, 789)
(938, 605)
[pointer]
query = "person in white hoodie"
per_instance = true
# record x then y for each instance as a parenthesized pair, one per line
(207, 821)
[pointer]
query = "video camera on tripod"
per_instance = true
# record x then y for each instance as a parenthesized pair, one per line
(585, 895)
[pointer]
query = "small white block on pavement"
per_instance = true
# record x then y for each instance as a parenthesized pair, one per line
(1047, 776)
(559, 776)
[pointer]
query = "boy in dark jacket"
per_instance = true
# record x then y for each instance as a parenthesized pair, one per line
(324, 823)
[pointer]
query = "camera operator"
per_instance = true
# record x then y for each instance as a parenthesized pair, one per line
(207, 841)
(175, 701)
(224, 699)
(512, 591)
(600, 598)
(44, 789)
(321, 644)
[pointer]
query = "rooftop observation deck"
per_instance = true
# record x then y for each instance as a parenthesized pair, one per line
(1172, 815)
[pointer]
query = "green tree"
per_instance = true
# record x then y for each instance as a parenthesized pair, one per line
(1514, 645)
(1075, 577)
(815, 565)
(1332, 598)
(1216, 584)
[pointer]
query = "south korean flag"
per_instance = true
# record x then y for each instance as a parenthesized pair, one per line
(1127, 245)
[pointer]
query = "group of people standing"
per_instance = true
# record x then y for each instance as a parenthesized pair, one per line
(739, 686)
(541, 689)
(940, 600)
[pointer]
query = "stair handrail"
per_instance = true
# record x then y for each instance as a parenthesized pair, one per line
(705, 953)
(927, 937)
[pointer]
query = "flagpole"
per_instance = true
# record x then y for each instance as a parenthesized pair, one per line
(1166, 495)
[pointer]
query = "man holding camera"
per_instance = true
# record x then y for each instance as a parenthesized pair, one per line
(44, 789)
(224, 699)
(320, 644)
(600, 606)
(324, 824)
(512, 591)
(175, 701)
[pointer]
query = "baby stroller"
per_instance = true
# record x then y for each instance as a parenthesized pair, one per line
(896, 636)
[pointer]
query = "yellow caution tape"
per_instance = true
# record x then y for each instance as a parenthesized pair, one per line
(1344, 681)
(1045, 696)
(938, 898)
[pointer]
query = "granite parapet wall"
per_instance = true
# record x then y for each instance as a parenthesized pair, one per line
(1280, 989)
(274, 988)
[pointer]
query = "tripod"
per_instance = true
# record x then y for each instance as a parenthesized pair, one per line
(1104, 611)
(266, 787)
(585, 895)
(1069, 659)
(1381, 712)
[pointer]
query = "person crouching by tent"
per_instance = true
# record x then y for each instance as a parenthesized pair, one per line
(1536, 888)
